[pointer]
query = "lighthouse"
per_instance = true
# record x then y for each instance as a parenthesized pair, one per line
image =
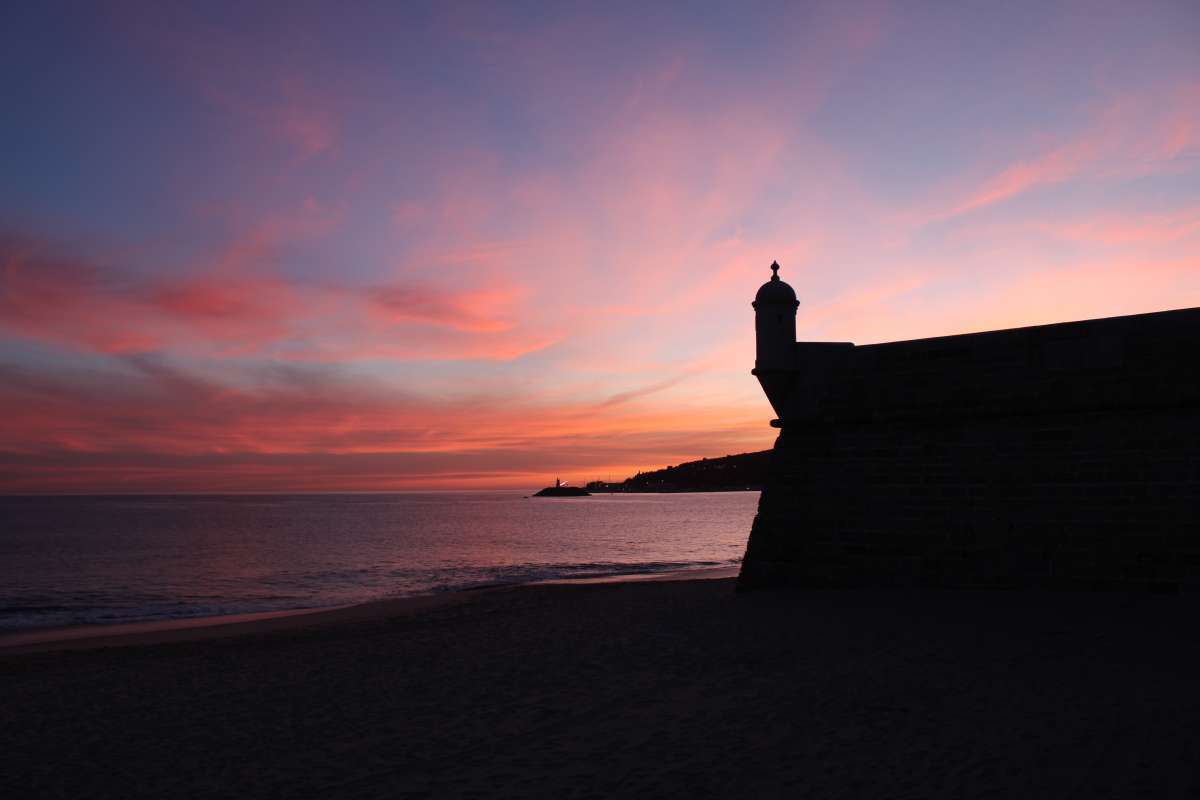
(775, 338)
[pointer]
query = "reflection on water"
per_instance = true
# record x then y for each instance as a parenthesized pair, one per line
(71, 560)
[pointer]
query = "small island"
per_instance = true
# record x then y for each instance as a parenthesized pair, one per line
(559, 489)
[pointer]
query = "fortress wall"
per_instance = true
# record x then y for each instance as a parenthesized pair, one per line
(1056, 455)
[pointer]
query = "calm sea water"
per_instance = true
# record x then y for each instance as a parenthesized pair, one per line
(86, 560)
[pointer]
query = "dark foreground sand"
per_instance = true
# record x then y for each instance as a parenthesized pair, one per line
(634, 689)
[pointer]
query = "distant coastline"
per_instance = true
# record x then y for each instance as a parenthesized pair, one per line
(744, 472)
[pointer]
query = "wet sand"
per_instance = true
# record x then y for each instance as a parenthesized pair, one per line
(629, 689)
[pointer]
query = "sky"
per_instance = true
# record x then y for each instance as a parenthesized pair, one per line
(364, 247)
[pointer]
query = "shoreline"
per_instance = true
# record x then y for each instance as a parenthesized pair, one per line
(187, 629)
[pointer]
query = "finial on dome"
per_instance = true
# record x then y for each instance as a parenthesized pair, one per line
(775, 292)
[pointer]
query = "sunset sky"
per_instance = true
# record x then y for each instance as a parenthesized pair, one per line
(358, 246)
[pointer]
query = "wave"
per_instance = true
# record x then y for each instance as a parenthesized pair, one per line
(541, 573)
(335, 588)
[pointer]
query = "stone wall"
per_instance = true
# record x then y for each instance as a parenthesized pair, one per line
(1058, 455)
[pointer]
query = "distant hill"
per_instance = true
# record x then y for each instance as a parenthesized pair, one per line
(739, 473)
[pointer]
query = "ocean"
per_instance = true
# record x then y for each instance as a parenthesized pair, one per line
(113, 559)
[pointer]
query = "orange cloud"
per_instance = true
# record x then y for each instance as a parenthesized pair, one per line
(162, 428)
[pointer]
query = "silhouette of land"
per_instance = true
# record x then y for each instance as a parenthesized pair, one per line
(737, 473)
(631, 690)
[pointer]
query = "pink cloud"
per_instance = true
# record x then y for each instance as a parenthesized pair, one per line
(1085, 291)
(1117, 230)
(1133, 136)
(1043, 293)
(266, 87)
(857, 308)
(232, 310)
(297, 115)
(463, 311)
(60, 301)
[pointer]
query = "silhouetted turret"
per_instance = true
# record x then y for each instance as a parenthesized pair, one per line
(775, 338)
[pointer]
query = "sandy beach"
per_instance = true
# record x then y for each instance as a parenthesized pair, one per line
(624, 689)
